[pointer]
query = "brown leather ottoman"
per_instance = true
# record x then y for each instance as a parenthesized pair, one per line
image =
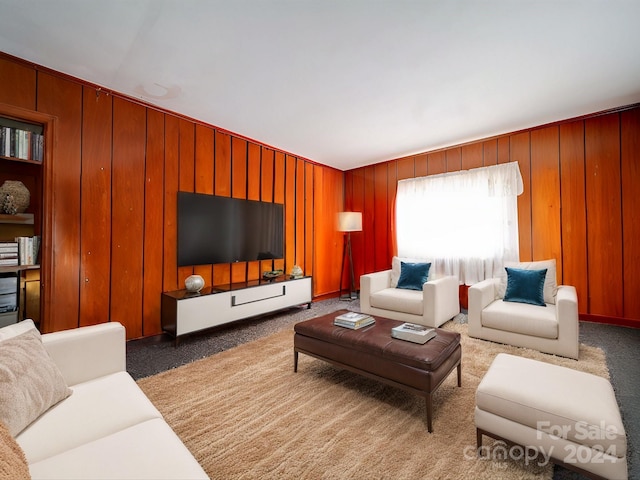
(372, 352)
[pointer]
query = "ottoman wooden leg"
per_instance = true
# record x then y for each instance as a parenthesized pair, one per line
(429, 401)
(295, 361)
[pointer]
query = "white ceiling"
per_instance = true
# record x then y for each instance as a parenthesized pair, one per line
(345, 82)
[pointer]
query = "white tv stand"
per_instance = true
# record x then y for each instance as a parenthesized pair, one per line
(185, 312)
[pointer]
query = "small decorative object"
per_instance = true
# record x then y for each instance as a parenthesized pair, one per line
(272, 274)
(9, 205)
(14, 197)
(296, 272)
(194, 283)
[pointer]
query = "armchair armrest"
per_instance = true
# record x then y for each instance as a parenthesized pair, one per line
(89, 352)
(567, 300)
(441, 299)
(371, 283)
(376, 281)
(481, 295)
(568, 322)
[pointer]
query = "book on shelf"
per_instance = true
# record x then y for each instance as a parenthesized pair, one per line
(412, 332)
(8, 247)
(19, 143)
(9, 256)
(28, 248)
(353, 320)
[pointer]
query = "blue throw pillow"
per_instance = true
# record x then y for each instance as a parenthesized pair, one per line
(413, 275)
(525, 286)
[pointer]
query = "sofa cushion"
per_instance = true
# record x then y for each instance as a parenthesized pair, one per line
(96, 409)
(398, 300)
(148, 450)
(521, 318)
(396, 267)
(550, 283)
(525, 286)
(16, 329)
(413, 275)
(30, 383)
(13, 463)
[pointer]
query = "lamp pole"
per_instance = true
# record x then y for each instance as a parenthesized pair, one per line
(348, 222)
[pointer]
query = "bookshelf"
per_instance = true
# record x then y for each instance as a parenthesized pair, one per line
(22, 152)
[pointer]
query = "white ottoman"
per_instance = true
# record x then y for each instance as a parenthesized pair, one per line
(569, 416)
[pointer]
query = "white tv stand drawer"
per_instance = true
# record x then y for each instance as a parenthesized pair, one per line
(261, 294)
(185, 312)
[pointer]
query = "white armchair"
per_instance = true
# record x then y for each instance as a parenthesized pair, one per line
(552, 328)
(437, 302)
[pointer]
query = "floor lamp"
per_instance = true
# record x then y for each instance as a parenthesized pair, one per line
(349, 222)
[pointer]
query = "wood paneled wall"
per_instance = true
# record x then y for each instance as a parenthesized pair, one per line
(580, 204)
(118, 165)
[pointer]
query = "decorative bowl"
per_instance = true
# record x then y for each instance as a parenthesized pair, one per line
(270, 275)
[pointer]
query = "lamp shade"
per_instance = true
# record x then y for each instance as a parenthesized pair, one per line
(350, 221)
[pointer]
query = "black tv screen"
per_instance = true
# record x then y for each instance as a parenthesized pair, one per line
(214, 229)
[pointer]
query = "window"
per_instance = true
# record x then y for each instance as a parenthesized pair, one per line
(465, 223)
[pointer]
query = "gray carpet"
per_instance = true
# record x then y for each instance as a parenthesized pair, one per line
(152, 355)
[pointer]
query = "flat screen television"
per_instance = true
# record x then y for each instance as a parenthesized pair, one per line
(214, 229)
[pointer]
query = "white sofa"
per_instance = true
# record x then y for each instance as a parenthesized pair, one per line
(552, 328)
(107, 428)
(436, 303)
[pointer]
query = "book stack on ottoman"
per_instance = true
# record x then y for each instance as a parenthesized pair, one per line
(413, 332)
(353, 320)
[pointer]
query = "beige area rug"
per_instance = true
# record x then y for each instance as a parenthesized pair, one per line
(245, 414)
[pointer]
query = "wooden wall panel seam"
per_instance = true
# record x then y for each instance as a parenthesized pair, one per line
(586, 214)
(561, 270)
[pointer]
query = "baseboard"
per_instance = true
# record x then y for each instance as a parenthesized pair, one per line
(619, 321)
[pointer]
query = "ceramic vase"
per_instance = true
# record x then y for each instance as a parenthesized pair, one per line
(194, 283)
(14, 197)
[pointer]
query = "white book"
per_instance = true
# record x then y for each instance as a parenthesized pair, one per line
(26, 250)
(7, 138)
(353, 317)
(413, 332)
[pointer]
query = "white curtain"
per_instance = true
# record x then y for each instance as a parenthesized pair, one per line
(465, 223)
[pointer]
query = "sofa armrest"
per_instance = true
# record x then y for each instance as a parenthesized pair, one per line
(481, 295)
(567, 315)
(441, 299)
(89, 352)
(371, 283)
(376, 281)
